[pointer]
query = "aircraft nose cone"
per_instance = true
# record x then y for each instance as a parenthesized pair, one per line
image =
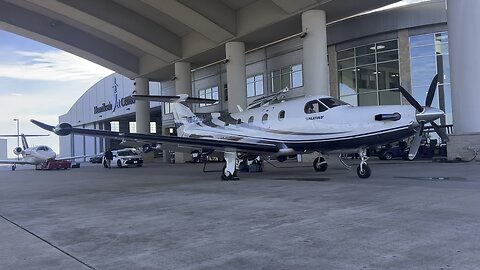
(429, 114)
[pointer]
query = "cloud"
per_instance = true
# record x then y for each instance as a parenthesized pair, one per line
(52, 66)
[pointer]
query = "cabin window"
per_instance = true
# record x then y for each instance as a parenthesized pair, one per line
(314, 106)
(332, 102)
(281, 115)
(250, 120)
(265, 118)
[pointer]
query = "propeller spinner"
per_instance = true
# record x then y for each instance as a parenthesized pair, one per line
(425, 114)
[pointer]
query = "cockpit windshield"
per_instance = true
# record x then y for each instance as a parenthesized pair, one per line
(42, 148)
(333, 102)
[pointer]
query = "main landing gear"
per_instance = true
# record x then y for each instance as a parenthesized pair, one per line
(320, 164)
(229, 171)
(14, 167)
(363, 170)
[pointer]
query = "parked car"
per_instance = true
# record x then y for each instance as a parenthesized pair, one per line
(128, 157)
(96, 159)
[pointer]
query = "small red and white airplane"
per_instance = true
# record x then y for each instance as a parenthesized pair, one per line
(280, 128)
(36, 155)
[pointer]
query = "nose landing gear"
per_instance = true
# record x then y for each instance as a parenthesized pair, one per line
(320, 164)
(363, 170)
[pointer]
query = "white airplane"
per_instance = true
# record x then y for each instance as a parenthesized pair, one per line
(32, 155)
(280, 128)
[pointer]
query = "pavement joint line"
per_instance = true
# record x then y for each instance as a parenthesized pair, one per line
(46, 241)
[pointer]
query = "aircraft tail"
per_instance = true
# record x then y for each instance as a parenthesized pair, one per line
(181, 113)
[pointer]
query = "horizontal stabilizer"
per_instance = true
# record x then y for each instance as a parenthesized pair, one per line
(174, 99)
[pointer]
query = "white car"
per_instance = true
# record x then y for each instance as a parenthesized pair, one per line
(128, 157)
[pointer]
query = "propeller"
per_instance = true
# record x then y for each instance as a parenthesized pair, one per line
(425, 114)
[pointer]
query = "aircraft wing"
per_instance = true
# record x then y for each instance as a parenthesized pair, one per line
(15, 161)
(193, 143)
(72, 158)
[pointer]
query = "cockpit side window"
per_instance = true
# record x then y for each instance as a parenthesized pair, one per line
(332, 102)
(314, 106)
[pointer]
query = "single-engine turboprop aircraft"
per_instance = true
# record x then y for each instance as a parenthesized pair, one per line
(280, 128)
(32, 155)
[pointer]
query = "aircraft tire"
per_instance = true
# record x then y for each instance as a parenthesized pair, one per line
(230, 176)
(319, 167)
(14, 167)
(365, 173)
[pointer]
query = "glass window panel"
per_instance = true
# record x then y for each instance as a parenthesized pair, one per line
(387, 56)
(368, 99)
(421, 40)
(285, 70)
(153, 127)
(285, 81)
(348, 63)
(347, 82)
(420, 94)
(423, 70)
(264, 118)
(389, 98)
(250, 80)
(423, 51)
(366, 60)
(443, 66)
(297, 79)
(215, 94)
(296, 68)
(366, 79)
(441, 48)
(259, 78)
(345, 54)
(368, 49)
(276, 84)
(208, 93)
(388, 75)
(441, 37)
(275, 73)
(387, 45)
(352, 99)
(250, 120)
(250, 90)
(281, 115)
(259, 88)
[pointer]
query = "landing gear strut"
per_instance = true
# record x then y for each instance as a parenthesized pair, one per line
(320, 164)
(229, 171)
(363, 170)
(14, 166)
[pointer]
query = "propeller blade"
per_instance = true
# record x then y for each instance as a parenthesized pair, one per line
(410, 99)
(440, 132)
(415, 145)
(43, 125)
(431, 91)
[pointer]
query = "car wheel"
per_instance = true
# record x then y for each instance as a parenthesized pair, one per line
(119, 163)
(388, 156)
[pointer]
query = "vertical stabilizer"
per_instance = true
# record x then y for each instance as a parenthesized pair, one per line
(24, 141)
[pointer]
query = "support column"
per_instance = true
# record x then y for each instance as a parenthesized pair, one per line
(236, 76)
(463, 25)
(315, 63)
(142, 107)
(183, 85)
(183, 78)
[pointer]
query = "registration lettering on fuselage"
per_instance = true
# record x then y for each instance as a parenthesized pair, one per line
(314, 117)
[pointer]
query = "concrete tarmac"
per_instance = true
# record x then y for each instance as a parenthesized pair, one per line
(408, 215)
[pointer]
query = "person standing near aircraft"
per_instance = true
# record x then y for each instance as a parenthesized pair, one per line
(108, 159)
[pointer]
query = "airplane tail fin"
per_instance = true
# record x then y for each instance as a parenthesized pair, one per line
(181, 113)
(24, 138)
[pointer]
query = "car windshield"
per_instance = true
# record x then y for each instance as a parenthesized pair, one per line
(333, 102)
(127, 153)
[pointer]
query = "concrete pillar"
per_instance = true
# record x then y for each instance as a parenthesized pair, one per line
(463, 25)
(236, 76)
(183, 78)
(142, 107)
(315, 63)
(333, 71)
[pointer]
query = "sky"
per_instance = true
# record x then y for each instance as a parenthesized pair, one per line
(40, 82)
